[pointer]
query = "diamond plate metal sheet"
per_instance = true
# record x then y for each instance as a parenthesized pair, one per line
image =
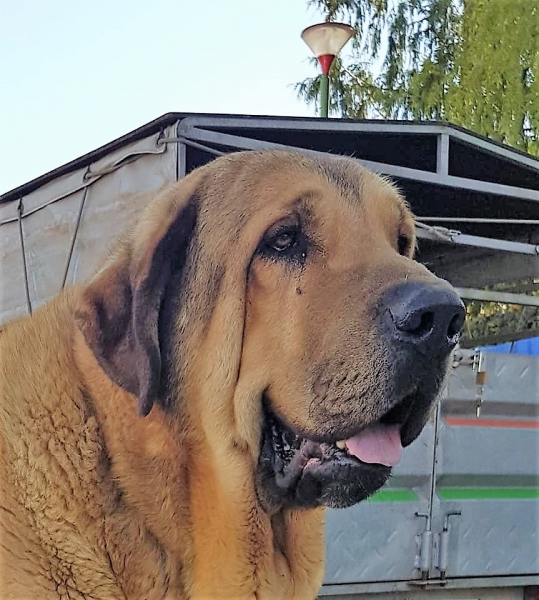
(492, 463)
(377, 541)
(372, 542)
(474, 453)
(511, 379)
(491, 538)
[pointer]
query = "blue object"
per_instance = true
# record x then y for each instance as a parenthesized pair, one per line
(529, 346)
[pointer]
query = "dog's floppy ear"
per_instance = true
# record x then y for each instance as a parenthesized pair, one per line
(120, 309)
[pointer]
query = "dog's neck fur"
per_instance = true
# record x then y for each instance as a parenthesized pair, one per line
(233, 548)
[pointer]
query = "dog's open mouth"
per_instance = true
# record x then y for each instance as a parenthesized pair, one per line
(294, 471)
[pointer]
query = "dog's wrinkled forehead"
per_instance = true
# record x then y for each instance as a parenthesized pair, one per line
(244, 193)
(259, 174)
(354, 181)
(344, 173)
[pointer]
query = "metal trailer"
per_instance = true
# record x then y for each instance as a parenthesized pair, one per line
(460, 517)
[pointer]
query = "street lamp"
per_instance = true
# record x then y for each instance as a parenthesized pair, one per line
(326, 40)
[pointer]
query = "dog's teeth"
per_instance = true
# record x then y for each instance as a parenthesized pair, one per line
(341, 445)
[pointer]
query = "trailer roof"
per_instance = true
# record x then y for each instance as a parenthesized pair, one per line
(403, 143)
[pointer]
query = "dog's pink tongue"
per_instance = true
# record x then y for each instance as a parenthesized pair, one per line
(377, 444)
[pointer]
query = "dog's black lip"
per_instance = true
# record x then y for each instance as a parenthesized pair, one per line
(297, 471)
(399, 414)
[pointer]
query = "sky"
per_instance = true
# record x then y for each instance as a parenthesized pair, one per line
(76, 74)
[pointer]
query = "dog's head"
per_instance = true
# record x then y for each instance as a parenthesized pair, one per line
(274, 299)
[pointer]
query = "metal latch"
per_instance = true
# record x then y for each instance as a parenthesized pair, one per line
(480, 381)
(443, 545)
(423, 559)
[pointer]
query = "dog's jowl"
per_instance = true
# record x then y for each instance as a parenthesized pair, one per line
(261, 346)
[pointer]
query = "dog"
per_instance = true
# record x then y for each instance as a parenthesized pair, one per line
(260, 346)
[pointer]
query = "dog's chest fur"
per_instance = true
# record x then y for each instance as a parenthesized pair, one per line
(98, 503)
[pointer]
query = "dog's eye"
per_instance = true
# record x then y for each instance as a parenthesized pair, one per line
(284, 240)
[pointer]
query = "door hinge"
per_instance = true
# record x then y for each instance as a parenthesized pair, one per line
(424, 558)
(443, 545)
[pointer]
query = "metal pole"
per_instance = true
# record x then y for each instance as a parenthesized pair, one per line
(324, 96)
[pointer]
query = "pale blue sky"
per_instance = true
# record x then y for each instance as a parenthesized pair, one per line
(75, 74)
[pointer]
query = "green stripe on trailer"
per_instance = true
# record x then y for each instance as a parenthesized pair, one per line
(393, 496)
(489, 493)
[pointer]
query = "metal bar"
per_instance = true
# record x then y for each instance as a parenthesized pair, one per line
(477, 220)
(74, 237)
(462, 183)
(442, 154)
(310, 124)
(181, 167)
(353, 589)
(434, 472)
(462, 239)
(202, 147)
(463, 267)
(493, 296)
(234, 141)
(20, 210)
(187, 142)
(374, 126)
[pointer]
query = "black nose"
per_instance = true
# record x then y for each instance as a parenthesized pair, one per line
(428, 315)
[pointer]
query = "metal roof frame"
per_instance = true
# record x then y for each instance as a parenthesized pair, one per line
(516, 206)
(441, 177)
(434, 233)
(444, 130)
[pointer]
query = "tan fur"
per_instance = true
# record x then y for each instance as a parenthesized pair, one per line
(99, 502)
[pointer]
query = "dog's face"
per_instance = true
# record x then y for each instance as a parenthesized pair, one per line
(279, 294)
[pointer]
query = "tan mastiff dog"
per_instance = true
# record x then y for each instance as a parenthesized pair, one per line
(261, 346)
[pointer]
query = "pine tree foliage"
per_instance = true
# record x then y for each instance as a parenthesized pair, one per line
(471, 62)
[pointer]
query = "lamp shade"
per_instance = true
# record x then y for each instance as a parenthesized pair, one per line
(327, 39)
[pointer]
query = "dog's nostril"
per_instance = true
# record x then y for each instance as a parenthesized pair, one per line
(417, 323)
(456, 325)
